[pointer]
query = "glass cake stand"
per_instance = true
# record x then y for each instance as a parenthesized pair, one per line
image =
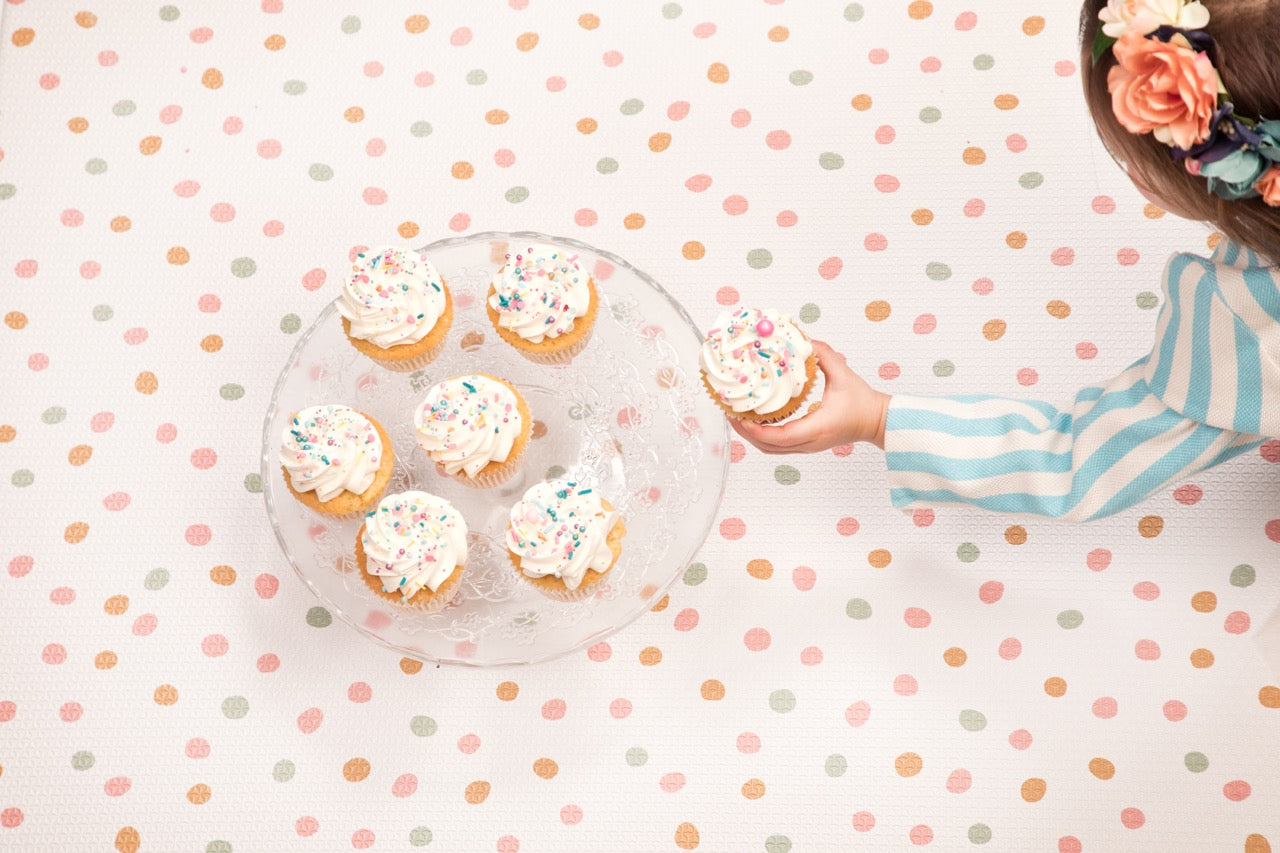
(628, 416)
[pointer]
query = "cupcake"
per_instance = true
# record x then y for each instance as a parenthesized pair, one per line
(395, 308)
(543, 304)
(564, 538)
(758, 365)
(475, 427)
(412, 550)
(336, 460)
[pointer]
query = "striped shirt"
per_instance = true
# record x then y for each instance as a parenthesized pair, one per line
(1208, 391)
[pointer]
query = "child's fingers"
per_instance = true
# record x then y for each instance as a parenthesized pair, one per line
(787, 438)
(832, 364)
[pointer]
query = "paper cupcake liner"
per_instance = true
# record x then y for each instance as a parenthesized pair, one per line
(492, 476)
(582, 593)
(408, 365)
(430, 602)
(559, 356)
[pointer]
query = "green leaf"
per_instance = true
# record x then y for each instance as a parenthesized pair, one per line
(1101, 44)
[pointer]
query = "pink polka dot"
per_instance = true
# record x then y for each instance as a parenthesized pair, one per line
(931, 65)
(49, 81)
(917, 617)
(468, 744)
(1188, 495)
(37, 361)
(735, 205)
(359, 692)
(778, 140)
(554, 709)
(924, 324)
(269, 149)
(186, 189)
(959, 781)
(1103, 204)
(1016, 143)
(8, 710)
(1132, 818)
(678, 110)
(842, 450)
(53, 654)
(1105, 708)
(737, 451)
(733, 528)
(313, 279)
(1010, 648)
(26, 268)
(1147, 650)
(704, 30)
(108, 58)
(686, 620)
(517, 4)
(145, 625)
(740, 118)
(698, 183)
(803, 578)
(570, 815)
(508, 844)
(786, 218)
(273, 7)
(966, 21)
(889, 370)
(232, 125)
(200, 35)
(166, 433)
(72, 218)
(600, 652)
(857, 714)
(847, 526)
(1237, 622)
(102, 421)
(273, 228)
(757, 639)
(671, 782)
(864, 821)
(811, 656)
(887, 183)
(1174, 711)
(375, 147)
(373, 69)
(878, 56)
(504, 157)
(198, 534)
(1028, 376)
(305, 826)
(310, 720)
(1270, 451)
(460, 222)
(620, 709)
(556, 84)
(990, 592)
(922, 517)
(214, 645)
(374, 196)
(727, 296)
(920, 835)
(1020, 739)
(1064, 68)
(905, 685)
(748, 743)
(268, 662)
(70, 712)
(1070, 844)
(362, 839)
(117, 786)
(11, 817)
(222, 212)
(1272, 529)
(197, 747)
(62, 595)
(404, 786)
(611, 59)
(1237, 790)
(20, 565)
(1127, 257)
(1098, 559)
(875, 242)
(461, 36)
(830, 268)
(983, 286)
(1086, 351)
(1063, 257)
(1146, 591)
(423, 79)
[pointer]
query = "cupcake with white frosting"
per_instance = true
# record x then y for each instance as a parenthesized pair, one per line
(395, 308)
(563, 538)
(412, 550)
(475, 428)
(758, 365)
(543, 303)
(336, 460)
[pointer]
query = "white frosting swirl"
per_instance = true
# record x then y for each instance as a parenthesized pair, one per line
(467, 422)
(330, 449)
(412, 540)
(754, 359)
(392, 296)
(561, 529)
(539, 292)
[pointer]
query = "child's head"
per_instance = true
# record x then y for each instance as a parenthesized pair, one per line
(1245, 34)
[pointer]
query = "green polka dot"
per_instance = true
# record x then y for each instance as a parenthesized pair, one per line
(930, 115)
(1197, 762)
(318, 617)
(809, 313)
(786, 475)
(800, 77)
(555, 472)
(671, 11)
(782, 701)
(477, 77)
(759, 259)
(1030, 180)
(636, 756)
(422, 726)
(1147, 300)
(218, 846)
(124, 108)
(858, 608)
(944, 368)
(777, 844)
(53, 415)
(972, 721)
(420, 836)
(290, 323)
(350, 24)
(7, 191)
(515, 195)
(1243, 575)
(606, 165)
(836, 765)
(294, 87)
(156, 579)
(695, 574)
(102, 313)
(984, 62)
(231, 391)
(169, 13)
(283, 771)
(22, 478)
(1070, 619)
(96, 166)
(854, 12)
(631, 106)
(979, 833)
(253, 483)
(235, 707)
(320, 172)
(82, 760)
(830, 161)
(967, 552)
(937, 271)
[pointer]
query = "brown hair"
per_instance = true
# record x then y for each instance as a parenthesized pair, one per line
(1246, 33)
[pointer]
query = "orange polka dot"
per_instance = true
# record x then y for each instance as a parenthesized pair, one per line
(1150, 526)
(409, 666)
(128, 840)
(1102, 768)
(177, 255)
(920, 9)
(211, 78)
(1256, 843)
(105, 660)
(211, 343)
(1204, 602)
(1016, 239)
(7, 433)
(526, 42)
(779, 34)
(693, 250)
(199, 794)
(75, 532)
(150, 145)
(1213, 240)
(650, 656)
(356, 769)
(753, 789)
(1058, 309)
(908, 764)
(545, 768)
(879, 558)
(274, 42)
(993, 330)
(462, 170)
(661, 604)
(121, 224)
(687, 837)
(15, 320)
(587, 126)
(955, 656)
(974, 156)
(760, 569)
(78, 124)
(79, 455)
(408, 230)
(222, 575)
(633, 221)
(23, 37)
(497, 116)
(861, 103)
(1269, 696)
(877, 310)
(1033, 790)
(508, 690)
(1033, 26)
(1153, 211)
(922, 216)
(588, 21)
(1006, 102)
(477, 792)
(659, 142)
(712, 690)
(1055, 687)
(417, 24)
(116, 605)
(1015, 534)
(353, 114)
(718, 72)
(86, 19)
(165, 694)
(1202, 658)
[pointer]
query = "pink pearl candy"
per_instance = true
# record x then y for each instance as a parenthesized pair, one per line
(764, 328)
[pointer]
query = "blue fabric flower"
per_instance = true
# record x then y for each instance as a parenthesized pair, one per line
(1233, 176)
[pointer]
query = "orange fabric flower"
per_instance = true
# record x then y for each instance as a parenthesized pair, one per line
(1165, 88)
(1269, 186)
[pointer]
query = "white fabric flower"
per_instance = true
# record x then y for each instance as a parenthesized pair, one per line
(1146, 16)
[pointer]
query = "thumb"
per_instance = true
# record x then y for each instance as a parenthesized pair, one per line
(832, 364)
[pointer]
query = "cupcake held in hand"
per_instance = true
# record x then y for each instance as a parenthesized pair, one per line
(563, 538)
(758, 365)
(336, 460)
(395, 308)
(412, 550)
(475, 427)
(543, 304)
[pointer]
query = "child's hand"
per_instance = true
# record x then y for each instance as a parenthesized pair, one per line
(850, 411)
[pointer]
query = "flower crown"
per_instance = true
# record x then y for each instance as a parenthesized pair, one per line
(1165, 83)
